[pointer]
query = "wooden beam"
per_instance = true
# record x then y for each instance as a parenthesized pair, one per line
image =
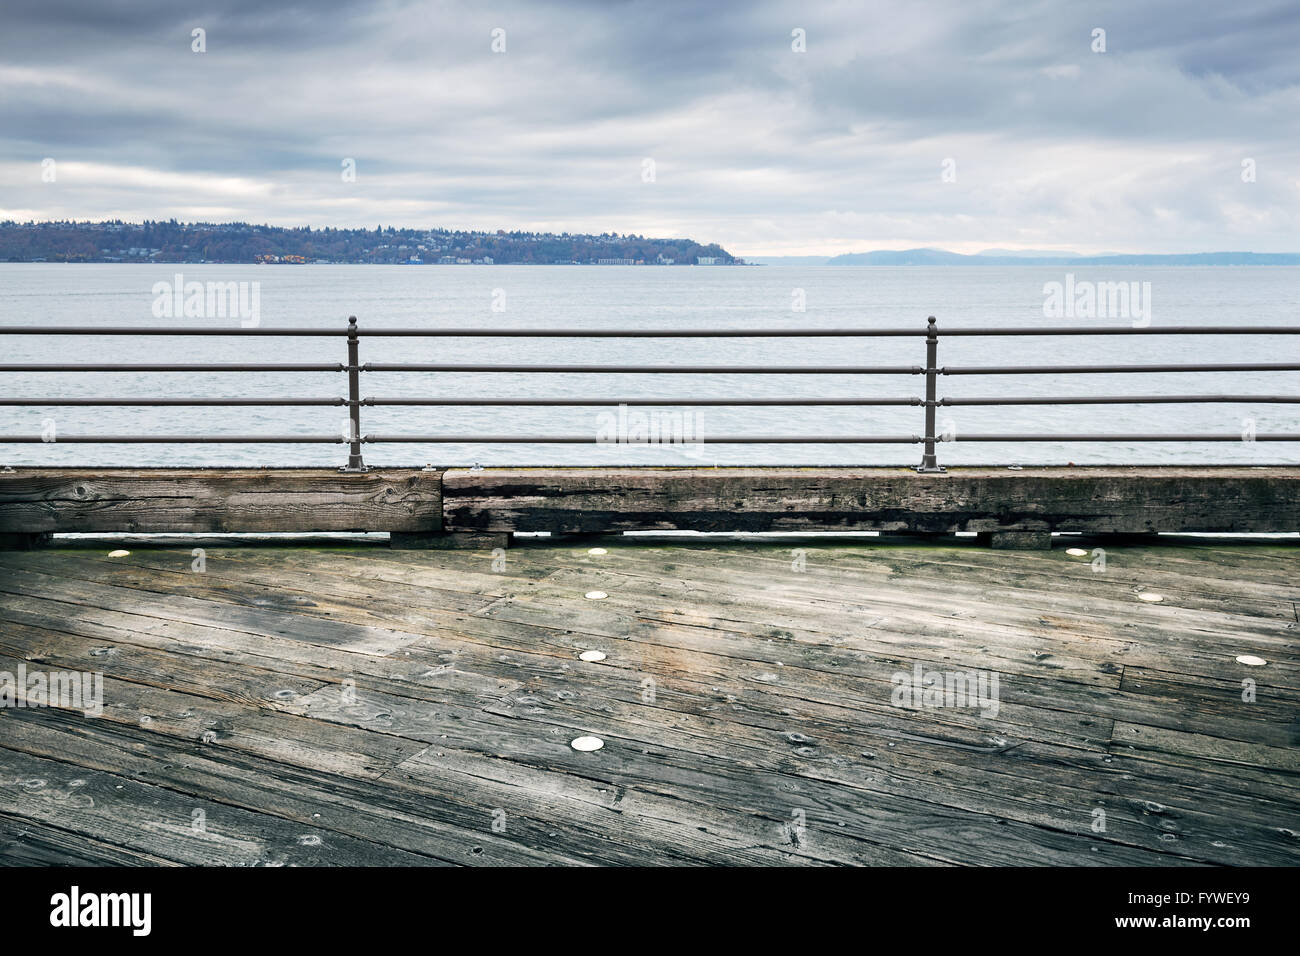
(198, 500)
(443, 541)
(21, 541)
(1017, 540)
(1102, 500)
(416, 504)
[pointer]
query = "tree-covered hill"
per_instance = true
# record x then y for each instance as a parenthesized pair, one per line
(173, 241)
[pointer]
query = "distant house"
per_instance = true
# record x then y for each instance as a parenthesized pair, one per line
(706, 260)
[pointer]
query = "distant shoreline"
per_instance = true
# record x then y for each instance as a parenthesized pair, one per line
(941, 257)
(241, 243)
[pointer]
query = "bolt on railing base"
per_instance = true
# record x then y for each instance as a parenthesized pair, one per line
(930, 469)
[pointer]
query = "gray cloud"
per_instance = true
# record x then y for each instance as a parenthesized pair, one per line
(755, 146)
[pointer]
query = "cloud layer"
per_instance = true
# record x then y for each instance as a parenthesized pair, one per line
(756, 146)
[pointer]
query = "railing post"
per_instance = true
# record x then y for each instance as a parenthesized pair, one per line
(354, 399)
(929, 464)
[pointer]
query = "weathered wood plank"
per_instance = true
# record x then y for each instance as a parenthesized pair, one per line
(154, 820)
(360, 638)
(442, 823)
(402, 699)
(1092, 499)
(200, 501)
(28, 843)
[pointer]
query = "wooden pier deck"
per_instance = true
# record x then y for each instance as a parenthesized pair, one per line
(333, 705)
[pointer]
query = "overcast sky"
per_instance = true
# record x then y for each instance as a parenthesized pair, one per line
(763, 149)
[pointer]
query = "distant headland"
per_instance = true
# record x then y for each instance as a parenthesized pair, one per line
(240, 242)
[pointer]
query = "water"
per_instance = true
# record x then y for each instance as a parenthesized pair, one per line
(656, 298)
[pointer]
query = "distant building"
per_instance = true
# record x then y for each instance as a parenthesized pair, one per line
(706, 260)
(615, 262)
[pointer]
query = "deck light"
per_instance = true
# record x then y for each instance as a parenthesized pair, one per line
(596, 595)
(1077, 552)
(119, 553)
(592, 656)
(1251, 660)
(586, 744)
(597, 551)
(1149, 596)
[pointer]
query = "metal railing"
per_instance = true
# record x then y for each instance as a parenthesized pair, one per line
(930, 371)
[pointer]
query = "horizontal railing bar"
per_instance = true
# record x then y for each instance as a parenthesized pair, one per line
(806, 439)
(451, 332)
(705, 333)
(581, 402)
(1230, 436)
(1087, 369)
(171, 401)
(162, 330)
(290, 367)
(172, 439)
(667, 402)
(589, 440)
(1122, 330)
(657, 369)
(1126, 400)
(480, 332)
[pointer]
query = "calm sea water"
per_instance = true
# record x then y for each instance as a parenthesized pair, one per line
(656, 298)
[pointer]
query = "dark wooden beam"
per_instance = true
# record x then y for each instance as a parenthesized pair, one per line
(21, 541)
(200, 500)
(1102, 500)
(416, 505)
(444, 541)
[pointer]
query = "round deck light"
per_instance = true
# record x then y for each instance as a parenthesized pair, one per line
(595, 595)
(1153, 598)
(1250, 660)
(597, 551)
(119, 553)
(1077, 552)
(586, 744)
(591, 656)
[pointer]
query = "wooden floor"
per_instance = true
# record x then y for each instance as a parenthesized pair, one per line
(354, 705)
